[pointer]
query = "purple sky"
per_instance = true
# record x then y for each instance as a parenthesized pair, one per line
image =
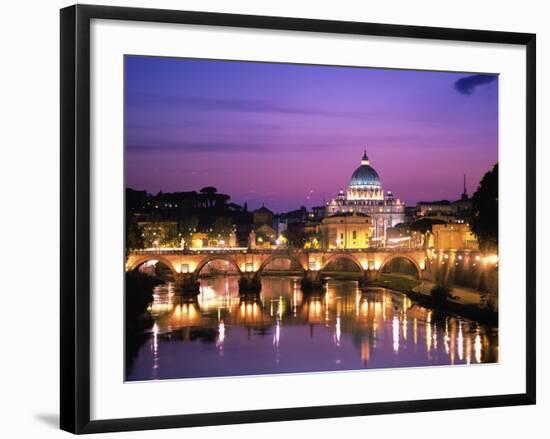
(291, 135)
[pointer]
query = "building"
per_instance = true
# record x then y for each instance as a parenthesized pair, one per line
(265, 236)
(199, 240)
(305, 234)
(409, 214)
(346, 230)
(294, 216)
(407, 236)
(205, 211)
(158, 233)
(289, 222)
(317, 213)
(459, 211)
(463, 208)
(434, 209)
(453, 237)
(262, 216)
(366, 195)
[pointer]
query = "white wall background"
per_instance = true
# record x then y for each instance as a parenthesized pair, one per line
(29, 179)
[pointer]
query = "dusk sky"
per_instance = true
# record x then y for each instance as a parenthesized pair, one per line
(291, 135)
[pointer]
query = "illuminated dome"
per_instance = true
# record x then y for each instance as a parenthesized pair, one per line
(365, 176)
(366, 196)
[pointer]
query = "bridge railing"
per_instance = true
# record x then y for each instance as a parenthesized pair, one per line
(263, 251)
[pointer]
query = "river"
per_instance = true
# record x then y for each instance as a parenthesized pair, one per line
(282, 330)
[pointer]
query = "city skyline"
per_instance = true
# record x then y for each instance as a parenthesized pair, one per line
(288, 135)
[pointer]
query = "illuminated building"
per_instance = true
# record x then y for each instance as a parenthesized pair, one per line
(346, 230)
(199, 240)
(265, 236)
(366, 195)
(403, 236)
(434, 209)
(158, 233)
(453, 236)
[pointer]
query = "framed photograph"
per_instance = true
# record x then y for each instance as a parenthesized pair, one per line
(268, 218)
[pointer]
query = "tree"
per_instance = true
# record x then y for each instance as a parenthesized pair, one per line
(485, 211)
(187, 225)
(222, 226)
(134, 240)
(139, 293)
(209, 190)
(440, 294)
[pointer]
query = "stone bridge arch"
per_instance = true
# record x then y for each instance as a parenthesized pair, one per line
(338, 256)
(136, 262)
(405, 256)
(284, 256)
(208, 259)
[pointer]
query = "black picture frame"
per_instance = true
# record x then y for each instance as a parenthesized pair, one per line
(75, 217)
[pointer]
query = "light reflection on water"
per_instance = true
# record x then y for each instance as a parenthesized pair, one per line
(282, 330)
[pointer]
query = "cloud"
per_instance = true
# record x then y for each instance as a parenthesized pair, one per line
(282, 145)
(468, 84)
(177, 146)
(141, 100)
(263, 145)
(216, 104)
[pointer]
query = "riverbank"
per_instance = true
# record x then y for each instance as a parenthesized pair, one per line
(472, 312)
(396, 282)
(465, 302)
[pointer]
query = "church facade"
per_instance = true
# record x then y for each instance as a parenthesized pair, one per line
(366, 195)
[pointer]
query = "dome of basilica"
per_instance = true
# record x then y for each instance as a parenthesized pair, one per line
(365, 175)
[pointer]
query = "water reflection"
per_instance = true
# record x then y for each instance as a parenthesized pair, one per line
(222, 333)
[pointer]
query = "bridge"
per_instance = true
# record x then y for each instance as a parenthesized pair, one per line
(186, 265)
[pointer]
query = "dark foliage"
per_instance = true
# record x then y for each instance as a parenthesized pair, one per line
(139, 293)
(134, 239)
(485, 211)
(138, 296)
(440, 294)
